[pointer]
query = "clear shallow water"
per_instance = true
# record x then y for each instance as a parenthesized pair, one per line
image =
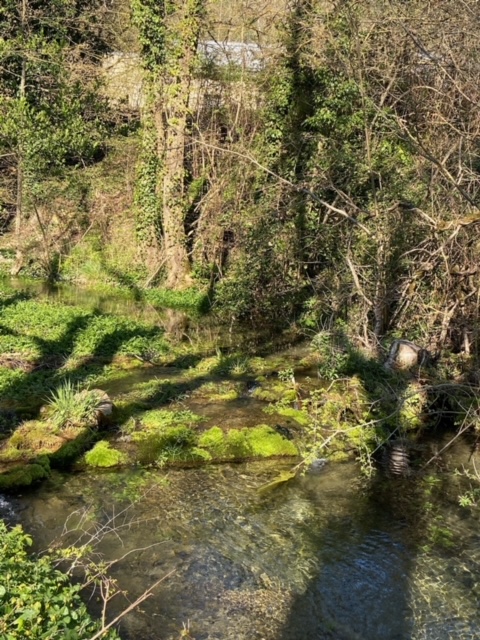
(325, 556)
(116, 302)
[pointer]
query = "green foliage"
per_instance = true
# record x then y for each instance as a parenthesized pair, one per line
(36, 600)
(107, 335)
(58, 339)
(102, 455)
(191, 300)
(148, 212)
(51, 112)
(70, 406)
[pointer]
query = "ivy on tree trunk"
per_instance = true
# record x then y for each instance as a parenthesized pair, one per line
(169, 33)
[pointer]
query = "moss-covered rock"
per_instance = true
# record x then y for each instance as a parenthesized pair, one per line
(35, 446)
(24, 476)
(104, 456)
(237, 444)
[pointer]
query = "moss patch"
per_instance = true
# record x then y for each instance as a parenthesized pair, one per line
(103, 455)
(23, 476)
(224, 391)
(261, 441)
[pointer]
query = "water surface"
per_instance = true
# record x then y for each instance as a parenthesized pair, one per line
(325, 556)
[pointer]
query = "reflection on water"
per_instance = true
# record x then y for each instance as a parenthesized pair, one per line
(117, 302)
(325, 556)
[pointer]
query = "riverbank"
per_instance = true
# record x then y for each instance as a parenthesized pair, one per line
(202, 397)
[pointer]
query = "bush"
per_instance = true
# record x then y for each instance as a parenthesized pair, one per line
(36, 600)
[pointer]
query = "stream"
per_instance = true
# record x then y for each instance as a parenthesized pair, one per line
(325, 556)
(331, 555)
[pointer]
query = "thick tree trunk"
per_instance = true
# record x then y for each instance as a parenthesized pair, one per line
(173, 190)
(173, 133)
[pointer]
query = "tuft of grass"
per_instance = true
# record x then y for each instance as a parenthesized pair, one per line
(68, 406)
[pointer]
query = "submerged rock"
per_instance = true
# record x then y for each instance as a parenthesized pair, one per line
(317, 465)
(284, 431)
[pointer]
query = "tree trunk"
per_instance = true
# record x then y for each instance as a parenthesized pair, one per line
(173, 133)
(173, 189)
(19, 257)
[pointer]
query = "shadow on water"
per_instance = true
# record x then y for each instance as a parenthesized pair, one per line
(362, 589)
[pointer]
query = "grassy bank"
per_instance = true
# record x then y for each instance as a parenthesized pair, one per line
(192, 402)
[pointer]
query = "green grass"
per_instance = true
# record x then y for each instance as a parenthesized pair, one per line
(70, 406)
(44, 343)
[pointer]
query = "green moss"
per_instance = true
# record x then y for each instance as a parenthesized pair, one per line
(261, 441)
(23, 476)
(265, 395)
(214, 441)
(224, 391)
(274, 391)
(298, 415)
(64, 457)
(157, 420)
(30, 439)
(166, 436)
(172, 444)
(102, 455)
(266, 442)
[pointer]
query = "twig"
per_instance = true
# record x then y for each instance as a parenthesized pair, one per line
(145, 595)
(289, 183)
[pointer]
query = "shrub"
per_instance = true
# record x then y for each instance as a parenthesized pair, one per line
(36, 600)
